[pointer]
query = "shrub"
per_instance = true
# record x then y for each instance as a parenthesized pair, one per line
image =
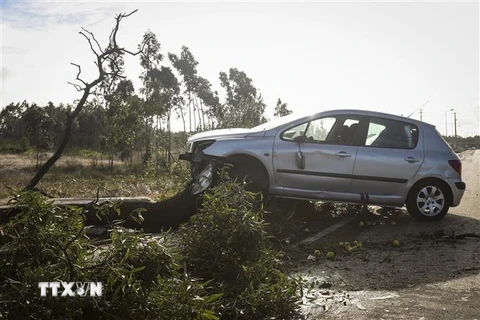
(180, 171)
(223, 266)
(227, 242)
(141, 279)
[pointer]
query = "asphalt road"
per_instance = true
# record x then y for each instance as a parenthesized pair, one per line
(433, 274)
(471, 175)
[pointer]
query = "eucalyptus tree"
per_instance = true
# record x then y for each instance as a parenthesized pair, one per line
(104, 57)
(150, 60)
(186, 65)
(209, 99)
(243, 106)
(123, 121)
(281, 109)
(179, 108)
(57, 114)
(38, 128)
(155, 108)
(11, 125)
(170, 97)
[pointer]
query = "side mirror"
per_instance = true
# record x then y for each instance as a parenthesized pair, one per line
(300, 139)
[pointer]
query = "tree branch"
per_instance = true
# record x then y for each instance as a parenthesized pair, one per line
(78, 74)
(76, 86)
(93, 38)
(69, 262)
(89, 42)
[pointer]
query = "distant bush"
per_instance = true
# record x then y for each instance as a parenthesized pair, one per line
(14, 146)
(86, 153)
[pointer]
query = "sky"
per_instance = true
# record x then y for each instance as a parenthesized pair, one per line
(394, 57)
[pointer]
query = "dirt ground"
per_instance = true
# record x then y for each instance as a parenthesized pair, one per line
(82, 177)
(434, 273)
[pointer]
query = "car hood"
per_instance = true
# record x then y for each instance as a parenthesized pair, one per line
(221, 134)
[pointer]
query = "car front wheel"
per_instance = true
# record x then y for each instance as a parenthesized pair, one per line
(248, 172)
(428, 201)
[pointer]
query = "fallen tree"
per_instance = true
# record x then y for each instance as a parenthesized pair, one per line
(104, 212)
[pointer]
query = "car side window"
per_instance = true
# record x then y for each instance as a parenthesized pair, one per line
(319, 129)
(294, 132)
(387, 133)
(342, 130)
(314, 131)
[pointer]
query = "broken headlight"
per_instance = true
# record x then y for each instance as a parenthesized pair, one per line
(203, 180)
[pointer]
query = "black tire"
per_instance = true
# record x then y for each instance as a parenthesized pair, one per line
(428, 200)
(250, 173)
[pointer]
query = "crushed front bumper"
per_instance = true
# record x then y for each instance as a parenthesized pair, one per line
(203, 170)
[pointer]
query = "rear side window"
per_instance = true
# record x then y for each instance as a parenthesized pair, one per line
(387, 133)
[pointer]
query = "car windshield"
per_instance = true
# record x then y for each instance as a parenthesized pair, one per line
(278, 122)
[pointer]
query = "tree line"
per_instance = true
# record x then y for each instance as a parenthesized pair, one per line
(119, 122)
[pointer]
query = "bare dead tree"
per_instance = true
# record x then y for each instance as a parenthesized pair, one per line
(108, 69)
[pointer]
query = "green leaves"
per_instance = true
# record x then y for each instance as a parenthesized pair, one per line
(281, 109)
(244, 106)
(220, 266)
(47, 243)
(150, 47)
(228, 242)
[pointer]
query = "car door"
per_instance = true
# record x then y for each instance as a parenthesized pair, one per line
(391, 155)
(317, 155)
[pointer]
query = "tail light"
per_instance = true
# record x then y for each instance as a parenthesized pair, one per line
(457, 165)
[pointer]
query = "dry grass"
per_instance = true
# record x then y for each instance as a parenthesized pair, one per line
(84, 177)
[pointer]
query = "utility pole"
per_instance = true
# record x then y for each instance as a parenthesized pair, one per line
(446, 126)
(455, 123)
(421, 110)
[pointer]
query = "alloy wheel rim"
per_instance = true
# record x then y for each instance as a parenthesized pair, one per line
(430, 201)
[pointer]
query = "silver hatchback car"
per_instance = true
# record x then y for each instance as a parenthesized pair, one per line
(351, 156)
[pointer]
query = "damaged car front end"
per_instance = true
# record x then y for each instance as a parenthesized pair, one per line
(203, 167)
(213, 150)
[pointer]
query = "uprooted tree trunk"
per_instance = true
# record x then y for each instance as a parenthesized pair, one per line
(104, 58)
(103, 212)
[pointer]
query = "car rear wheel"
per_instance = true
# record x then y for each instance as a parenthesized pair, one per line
(428, 201)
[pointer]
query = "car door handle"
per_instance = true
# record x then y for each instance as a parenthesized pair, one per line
(411, 159)
(343, 154)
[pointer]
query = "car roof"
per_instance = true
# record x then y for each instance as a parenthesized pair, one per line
(372, 114)
(298, 117)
